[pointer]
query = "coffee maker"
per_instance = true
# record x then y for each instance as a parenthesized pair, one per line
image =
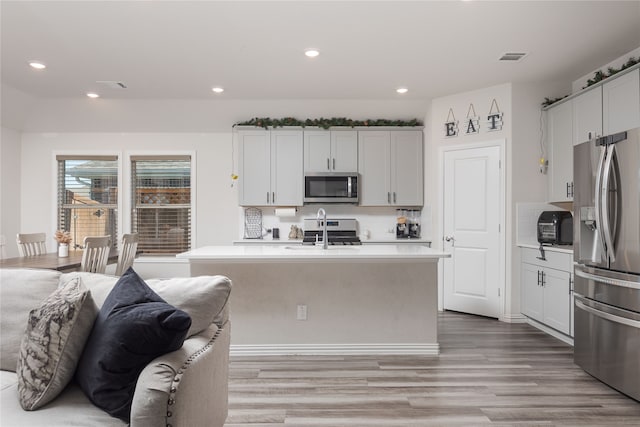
(414, 224)
(407, 224)
(402, 226)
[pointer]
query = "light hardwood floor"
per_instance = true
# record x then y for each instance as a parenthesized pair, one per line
(488, 373)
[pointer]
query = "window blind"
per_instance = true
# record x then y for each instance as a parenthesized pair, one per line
(161, 194)
(88, 197)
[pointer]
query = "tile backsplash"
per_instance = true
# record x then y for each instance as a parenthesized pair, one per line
(374, 223)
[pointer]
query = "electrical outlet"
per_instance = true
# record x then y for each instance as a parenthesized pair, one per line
(302, 312)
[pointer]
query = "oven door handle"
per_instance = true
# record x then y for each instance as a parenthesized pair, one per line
(608, 316)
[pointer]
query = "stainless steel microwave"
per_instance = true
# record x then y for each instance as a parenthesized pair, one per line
(331, 187)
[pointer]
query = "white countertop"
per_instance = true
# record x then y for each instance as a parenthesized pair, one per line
(561, 249)
(297, 252)
(270, 241)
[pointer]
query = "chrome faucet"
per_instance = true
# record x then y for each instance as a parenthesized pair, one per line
(325, 243)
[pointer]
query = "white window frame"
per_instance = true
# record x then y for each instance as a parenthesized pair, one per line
(128, 203)
(54, 186)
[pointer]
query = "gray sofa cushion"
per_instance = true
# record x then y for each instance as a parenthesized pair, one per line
(71, 409)
(51, 347)
(203, 298)
(21, 290)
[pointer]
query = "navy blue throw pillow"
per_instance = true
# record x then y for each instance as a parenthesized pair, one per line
(133, 327)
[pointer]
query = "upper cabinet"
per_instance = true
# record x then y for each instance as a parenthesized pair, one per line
(587, 115)
(390, 167)
(621, 103)
(609, 107)
(270, 168)
(330, 151)
(560, 152)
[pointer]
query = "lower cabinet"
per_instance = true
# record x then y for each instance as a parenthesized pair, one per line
(547, 288)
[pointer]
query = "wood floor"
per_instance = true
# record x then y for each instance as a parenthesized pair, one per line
(488, 373)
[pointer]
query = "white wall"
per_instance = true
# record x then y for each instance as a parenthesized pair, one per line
(216, 200)
(10, 189)
(459, 103)
(179, 115)
(521, 105)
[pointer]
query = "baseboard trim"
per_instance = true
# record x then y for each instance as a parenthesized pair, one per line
(334, 349)
(550, 331)
(513, 318)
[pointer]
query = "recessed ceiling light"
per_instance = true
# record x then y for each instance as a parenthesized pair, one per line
(218, 89)
(402, 90)
(37, 65)
(93, 95)
(312, 53)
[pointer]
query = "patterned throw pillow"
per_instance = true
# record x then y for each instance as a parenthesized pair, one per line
(53, 342)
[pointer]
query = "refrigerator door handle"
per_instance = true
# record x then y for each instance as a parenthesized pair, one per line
(607, 280)
(604, 200)
(608, 316)
(598, 201)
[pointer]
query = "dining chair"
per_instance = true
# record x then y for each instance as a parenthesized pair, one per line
(32, 244)
(127, 252)
(3, 243)
(96, 254)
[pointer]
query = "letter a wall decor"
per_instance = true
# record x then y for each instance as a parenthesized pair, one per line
(472, 123)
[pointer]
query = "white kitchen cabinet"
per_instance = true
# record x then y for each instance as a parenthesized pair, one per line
(547, 288)
(330, 151)
(270, 168)
(390, 167)
(587, 115)
(621, 103)
(560, 152)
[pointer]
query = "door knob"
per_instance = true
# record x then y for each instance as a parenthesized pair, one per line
(449, 238)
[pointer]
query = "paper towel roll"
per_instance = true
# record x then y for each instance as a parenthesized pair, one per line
(285, 211)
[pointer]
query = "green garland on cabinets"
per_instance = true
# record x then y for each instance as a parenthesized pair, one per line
(597, 78)
(266, 122)
(599, 75)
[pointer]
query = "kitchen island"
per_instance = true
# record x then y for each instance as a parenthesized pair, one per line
(297, 299)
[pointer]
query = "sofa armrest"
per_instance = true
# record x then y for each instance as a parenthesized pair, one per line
(187, 387)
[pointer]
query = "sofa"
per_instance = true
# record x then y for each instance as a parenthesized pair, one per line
(185, 387)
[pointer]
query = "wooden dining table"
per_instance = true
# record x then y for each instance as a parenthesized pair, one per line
(52, 261)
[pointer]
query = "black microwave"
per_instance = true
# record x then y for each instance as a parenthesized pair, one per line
(331, 187)
(555, 228)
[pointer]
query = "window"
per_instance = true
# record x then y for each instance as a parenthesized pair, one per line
(161, 195)
(88, 197)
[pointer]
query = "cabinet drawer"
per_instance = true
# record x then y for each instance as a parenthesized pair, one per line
(557, 260)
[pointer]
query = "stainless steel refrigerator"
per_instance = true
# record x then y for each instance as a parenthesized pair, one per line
(607, 259)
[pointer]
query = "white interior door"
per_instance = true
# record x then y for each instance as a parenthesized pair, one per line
(471, 225)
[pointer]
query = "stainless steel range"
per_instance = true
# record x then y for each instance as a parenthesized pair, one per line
(339, 232)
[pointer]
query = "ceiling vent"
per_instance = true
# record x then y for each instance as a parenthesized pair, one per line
(112, 84)
(512, 56)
